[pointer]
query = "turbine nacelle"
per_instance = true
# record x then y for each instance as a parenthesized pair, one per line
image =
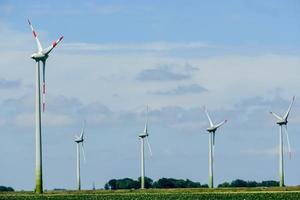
(39, 56)
(211, 129)
(214, 128)
(282, 122)
(78, 139)
(143, 135)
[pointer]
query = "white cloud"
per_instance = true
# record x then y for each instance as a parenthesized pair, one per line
(151, 46)
(6, 9)
(57, 120)
(87, 7)
(49, 120)
(106, 9)
(274, 151)
(13, 40)
(25, 119)
(93, 76)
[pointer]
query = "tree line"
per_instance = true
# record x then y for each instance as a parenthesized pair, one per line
(128, 183)
(242, 183)
(6, 189)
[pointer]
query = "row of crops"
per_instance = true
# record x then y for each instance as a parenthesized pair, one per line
(160, 195)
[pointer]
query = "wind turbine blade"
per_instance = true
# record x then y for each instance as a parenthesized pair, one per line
(213, 149)
(44, 86)
(51, 47)
(40, 48)
(288, 142)
(289, 109)
(220, 124)
(83, 129)
(83, 153)
(276, 116)
(149, 147)
(146, 123)
(208, 117)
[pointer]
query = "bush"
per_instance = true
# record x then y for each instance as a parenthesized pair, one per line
(242, 183)
(6, 189)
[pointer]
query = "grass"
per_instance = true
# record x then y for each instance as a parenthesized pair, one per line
(165, 194)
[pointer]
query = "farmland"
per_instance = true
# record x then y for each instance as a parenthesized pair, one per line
(168, 194)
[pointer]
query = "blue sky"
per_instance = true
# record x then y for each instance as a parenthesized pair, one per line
(239, 58)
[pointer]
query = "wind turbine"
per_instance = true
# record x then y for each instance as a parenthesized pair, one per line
(144, 135)
(211, 144)
(40, 56)
(79, 140)
(283, 121)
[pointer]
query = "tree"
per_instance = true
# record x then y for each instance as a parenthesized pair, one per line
(269, 183)
(238, 183)
(112, 184)
(176, 183)
(242, 183)
(225, 184)
(165, 183)
(191, 184)
(6, 189)
(252, 184)
(127, 183)
(148, 182)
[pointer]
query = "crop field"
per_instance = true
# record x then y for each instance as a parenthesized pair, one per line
(166, 194)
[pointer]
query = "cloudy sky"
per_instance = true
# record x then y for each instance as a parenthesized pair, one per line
(239, 58)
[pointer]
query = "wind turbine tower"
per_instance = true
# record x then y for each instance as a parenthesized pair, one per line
(144, 135)
(283, 121)
(40, 56)
(79, 140)
(211, 144)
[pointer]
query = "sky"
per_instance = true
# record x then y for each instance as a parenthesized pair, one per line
(239, 58)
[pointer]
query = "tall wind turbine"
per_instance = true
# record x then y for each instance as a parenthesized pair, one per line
(283, 121)
(40, 56)
(79, 140)
(144, 135)
(211, 144)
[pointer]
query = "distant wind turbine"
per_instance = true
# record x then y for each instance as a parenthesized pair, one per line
(40, 56)
(283, 121)
(142, 136)
(211, 144)
(79, 140)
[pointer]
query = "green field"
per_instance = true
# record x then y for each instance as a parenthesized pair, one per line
(166, 194)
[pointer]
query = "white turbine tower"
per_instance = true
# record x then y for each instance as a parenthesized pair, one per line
(40, 56)
(79, 140)
(211, 144)
(144, 135)
(283, 121)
